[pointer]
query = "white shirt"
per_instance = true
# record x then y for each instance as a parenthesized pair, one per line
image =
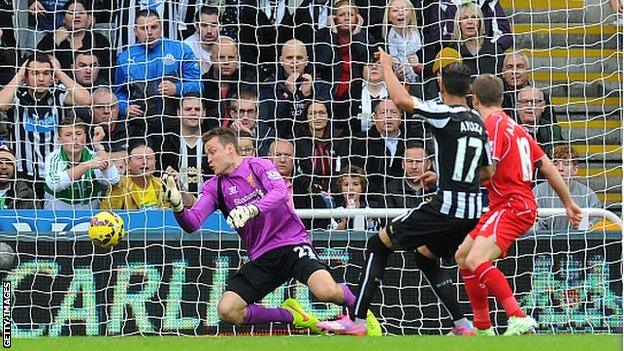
(400, 47)
(392, 145)
(366, 112)
(204, 56)
(323, 14)
(359, 222)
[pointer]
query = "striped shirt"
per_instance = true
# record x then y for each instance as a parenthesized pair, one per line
(190, 165)
(34, 130)
(461, 147)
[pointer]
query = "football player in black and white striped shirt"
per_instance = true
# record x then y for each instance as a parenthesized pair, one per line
(436, 227)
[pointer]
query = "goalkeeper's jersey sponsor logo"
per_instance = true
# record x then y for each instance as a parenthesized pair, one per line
(256, 194)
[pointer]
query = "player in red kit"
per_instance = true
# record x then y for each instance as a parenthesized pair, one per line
(512, 210)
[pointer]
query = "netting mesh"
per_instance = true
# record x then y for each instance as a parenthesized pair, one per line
(319, 96)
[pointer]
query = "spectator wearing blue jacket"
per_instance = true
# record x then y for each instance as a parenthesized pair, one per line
(151, 73)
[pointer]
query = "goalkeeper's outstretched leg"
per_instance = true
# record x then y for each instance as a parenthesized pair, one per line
(235, 308)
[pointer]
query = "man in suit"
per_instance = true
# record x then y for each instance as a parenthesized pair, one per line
(380, 149)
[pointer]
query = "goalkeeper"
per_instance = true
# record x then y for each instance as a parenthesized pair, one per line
(252, 195)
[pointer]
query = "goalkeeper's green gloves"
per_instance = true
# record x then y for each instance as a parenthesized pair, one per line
(171, 193)
(241, 214)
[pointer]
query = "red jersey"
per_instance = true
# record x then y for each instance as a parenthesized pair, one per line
(516, 153)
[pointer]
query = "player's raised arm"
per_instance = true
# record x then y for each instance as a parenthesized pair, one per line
(190, 219)
(573, 211)
(397, 93)
(454, 86)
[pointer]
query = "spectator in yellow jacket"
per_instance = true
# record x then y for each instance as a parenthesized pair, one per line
(139, 189)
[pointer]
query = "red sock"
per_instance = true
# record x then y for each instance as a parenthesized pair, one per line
(495, 282)
(478, 295)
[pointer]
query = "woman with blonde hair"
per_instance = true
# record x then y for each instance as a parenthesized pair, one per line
(403, 38)
(478, 52)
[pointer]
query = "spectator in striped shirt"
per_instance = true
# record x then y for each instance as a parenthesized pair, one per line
(39, 105)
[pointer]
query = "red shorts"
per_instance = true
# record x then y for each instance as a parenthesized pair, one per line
(506, 224)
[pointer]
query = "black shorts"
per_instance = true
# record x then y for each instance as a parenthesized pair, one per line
(441, 234)
(258, 278)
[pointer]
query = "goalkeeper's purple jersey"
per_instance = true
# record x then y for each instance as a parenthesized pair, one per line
(255, 181)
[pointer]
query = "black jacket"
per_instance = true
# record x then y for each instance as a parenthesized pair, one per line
(264, 135)
(92, 42)
(510, 105)
(403, 195)
(217, 106)
(329, 59)
(320, 172)
(305, 28)
(369, 151)
(20, 197)
(488, 60)
(280, 108)
(259, 39)
(305, 197)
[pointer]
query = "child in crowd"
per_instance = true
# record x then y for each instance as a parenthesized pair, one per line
(352, 184)
(75, 175)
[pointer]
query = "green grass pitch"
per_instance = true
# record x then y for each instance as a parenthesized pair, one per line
(317, 343)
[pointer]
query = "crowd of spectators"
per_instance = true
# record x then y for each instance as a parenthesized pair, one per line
(87, 123)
